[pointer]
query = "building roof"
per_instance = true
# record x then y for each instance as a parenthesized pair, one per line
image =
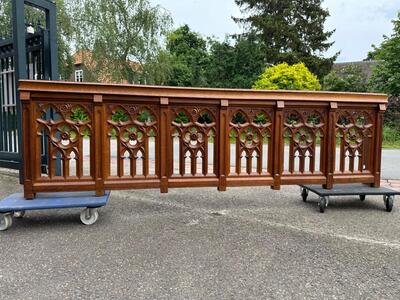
(365, 66)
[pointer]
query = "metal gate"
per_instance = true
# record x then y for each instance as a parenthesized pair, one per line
(35, 69)
(28, 54)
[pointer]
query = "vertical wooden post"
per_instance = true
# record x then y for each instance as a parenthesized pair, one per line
(330, 146)
(378, 146)
(164, 144)
(99, 120)
(223, 145)
(28, 144)
(278, 148)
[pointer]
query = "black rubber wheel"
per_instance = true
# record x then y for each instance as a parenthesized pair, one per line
(362, 197)
(304, 195)
(389, 201)
(322, 204)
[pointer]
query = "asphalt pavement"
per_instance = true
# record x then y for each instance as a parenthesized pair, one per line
(246, 243)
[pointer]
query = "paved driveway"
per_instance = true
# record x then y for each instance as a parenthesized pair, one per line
(391, 163)
(245, 243)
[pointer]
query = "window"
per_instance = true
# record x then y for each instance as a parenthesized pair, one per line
(79, 75)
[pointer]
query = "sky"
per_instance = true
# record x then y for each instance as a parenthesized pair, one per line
(358, 23)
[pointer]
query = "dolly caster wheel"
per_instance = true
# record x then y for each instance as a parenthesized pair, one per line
(389, 201)
(19, 214)
(304, 194)
(323, 204)
(5, 222)
(89, 216)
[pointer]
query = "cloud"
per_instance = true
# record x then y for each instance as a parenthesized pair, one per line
(358, 23)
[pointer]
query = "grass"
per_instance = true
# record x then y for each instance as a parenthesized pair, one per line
(391, 138)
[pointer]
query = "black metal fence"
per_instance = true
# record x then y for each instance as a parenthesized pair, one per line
(36, 51)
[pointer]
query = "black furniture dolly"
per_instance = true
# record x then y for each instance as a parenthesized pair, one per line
(360, 190)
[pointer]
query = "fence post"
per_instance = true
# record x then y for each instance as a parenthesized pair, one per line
(330, 153)
(99, 119)
(378, 146)
(28, 154)
(223, 140)
(278, 145)
(164, 154)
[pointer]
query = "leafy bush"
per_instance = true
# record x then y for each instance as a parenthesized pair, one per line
(391, 137)
(119, 116)
(78, 114)
(348, 79)
(392, 114)
(285, 77)
(182, 118)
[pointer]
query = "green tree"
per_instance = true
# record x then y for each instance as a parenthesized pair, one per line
(65, 13)
(5, 19)
(386, 75)
(234, 66)
(285, 77)
(189, 55)
(350, 78)
(290, 31)
(123, 36)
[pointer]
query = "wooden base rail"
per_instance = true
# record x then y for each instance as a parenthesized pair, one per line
(86, 136)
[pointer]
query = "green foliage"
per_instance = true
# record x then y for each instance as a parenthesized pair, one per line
(197, 61)
(78, 114)
(285, 77)
(234, 63)
(392, 114)
(391, 137)
(145, 116)
(314, 119)
(190, 57)
(182, 118)
(239, 118)
(121, 32)
(119, 116)
(348, 79)
(205, 118)
(289, 31)
(260, 119)
(65, 32)
(386, 76)
(5, 19)
(293, 119)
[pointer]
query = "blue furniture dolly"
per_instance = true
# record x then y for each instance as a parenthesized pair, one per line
(15, 205)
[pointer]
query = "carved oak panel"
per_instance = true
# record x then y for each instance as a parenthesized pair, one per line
(354, 132)
(63, 129)
(193, 140)
(133, 139)
(250, 132)
(304, 136)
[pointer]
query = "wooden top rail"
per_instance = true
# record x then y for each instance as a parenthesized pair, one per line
(195, 93)
(89, 136)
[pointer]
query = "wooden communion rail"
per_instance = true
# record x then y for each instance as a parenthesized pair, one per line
(102, 137)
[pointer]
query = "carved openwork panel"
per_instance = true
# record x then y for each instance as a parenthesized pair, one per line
(63, 131)
(304, 134)
(354, 132)
(132, 135)
(194, 140)
(250, 132)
